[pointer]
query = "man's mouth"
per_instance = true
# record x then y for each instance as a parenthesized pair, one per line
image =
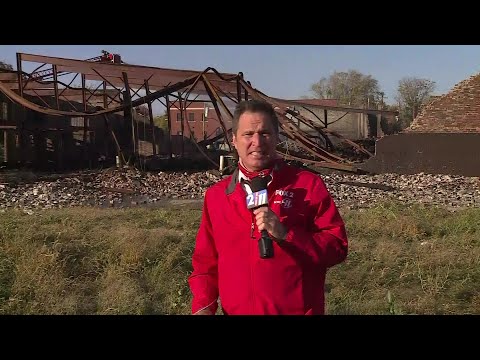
(257, 154)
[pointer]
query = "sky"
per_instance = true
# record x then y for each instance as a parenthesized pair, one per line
(288, 71)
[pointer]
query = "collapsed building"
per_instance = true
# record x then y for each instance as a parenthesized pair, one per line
(442, 139)
(49, 121)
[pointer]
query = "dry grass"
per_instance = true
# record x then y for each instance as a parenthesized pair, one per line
(93, 261)
(402, 260)
(408, 260)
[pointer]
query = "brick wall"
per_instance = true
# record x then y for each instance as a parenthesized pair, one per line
(194, 118)
(431, 153)
(455, 112)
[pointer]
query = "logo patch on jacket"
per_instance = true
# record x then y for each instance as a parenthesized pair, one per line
(286, 203)
(286, 198)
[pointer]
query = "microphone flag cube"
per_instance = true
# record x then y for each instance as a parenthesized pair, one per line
(257, 199)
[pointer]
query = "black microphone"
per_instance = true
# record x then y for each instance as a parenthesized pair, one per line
(258, 198)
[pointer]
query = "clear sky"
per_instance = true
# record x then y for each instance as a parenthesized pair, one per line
(288, 71)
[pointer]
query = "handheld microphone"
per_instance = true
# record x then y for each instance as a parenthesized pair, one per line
(257, 198)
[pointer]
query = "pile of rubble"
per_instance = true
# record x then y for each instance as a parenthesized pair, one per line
(107, 188)
(126, 187)
(450, 191)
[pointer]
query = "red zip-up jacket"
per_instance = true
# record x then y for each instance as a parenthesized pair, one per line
(226, 261)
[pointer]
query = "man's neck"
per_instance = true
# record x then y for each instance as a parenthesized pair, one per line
(253, 171)
(249, 174)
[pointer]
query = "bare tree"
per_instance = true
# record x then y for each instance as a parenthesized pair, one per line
(349, 88)
(412, 94)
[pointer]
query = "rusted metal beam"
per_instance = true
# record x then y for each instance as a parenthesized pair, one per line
(182, 115)
(71, 105)
(105, 80)
(154, 95)
(215, 100)
(85, 119)
(117, 144)
(169, 121)
(68, 86)
(296, 135)
(19, 74)
(105, 103)
(324, 164)
(350, 142)
(136, 73)
(55, 85)
(129, 113)
(334, 108)
(91, 93)
(150, 115)
(194, 140)
(311, 124)
(239, 90)
(8, 76)
(300, 139)
(187, 82)
(228, 96)
(41, 99)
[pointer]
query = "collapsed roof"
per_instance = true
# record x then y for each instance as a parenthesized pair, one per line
(142, 85)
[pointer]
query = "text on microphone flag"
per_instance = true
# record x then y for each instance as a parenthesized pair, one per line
(257, 199)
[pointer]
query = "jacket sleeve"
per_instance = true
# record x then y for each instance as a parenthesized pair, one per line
(324, 242)
(203, 280)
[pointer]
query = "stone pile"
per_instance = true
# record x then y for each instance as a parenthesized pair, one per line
(126, 187)
(366, 190)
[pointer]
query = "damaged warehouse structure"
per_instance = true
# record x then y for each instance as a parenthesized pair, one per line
(70, 113)
(442, 139)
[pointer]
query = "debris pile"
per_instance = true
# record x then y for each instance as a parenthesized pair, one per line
(126, 187)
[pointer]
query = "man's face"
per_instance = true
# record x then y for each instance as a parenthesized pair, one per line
(255, 140)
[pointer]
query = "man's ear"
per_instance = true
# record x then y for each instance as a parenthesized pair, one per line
(234, 141)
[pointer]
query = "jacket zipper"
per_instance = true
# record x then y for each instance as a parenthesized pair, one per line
(252, 228)
(252, 264)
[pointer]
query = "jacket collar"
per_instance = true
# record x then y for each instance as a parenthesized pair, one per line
(233, 182)
(235, 177)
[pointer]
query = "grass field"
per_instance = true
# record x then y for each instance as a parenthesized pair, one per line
(402, 260)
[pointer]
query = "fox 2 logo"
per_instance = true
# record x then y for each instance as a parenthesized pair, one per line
(256, 199)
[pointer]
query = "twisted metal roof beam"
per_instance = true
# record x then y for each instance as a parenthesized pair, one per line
(288, 126)
(286, 103)
(137, 74)
(317, 128)
(323, 164)
(216, 99)
(213, 96)
(295, 133)
(292, 131)
(282, 103)
(309, 122)
(13, 96)
(44, 88)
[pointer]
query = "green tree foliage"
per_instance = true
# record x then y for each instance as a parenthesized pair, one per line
(161, 122)
(412, 94)
(349, 88)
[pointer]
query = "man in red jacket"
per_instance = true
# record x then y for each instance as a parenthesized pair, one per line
(307, 230)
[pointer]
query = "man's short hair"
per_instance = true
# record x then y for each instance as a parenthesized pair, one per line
(254, 106)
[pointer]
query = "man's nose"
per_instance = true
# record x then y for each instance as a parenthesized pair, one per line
(257, 139)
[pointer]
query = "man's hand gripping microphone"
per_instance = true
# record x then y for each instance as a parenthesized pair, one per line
(258, 198)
